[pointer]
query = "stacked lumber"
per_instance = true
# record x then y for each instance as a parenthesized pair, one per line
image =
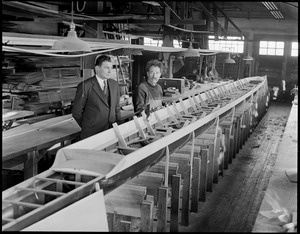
(24, 77)
(67, 94)
(36, 107)
(64, 77)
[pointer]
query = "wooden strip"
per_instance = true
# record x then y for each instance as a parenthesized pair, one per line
(147, 207)
(138, 125)
(210, 167)
(32, 205)
(216, 155)
(172, 115)
(183, 107)
(174, 220)
(193, 105)
(195, 185)
(39, 191)
(58, 181)
(203, 175)
(162, 209)
(122, 142)
(185, 207)
(30, 165)
(227, 145)
(203, 103)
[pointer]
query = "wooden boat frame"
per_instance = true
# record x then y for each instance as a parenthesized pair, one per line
(93, 163)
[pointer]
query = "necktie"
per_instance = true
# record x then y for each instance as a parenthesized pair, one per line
(105, 88)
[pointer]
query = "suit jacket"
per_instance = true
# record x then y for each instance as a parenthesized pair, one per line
(91, 109)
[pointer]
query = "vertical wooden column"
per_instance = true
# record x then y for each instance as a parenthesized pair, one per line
(174, 220)
(227, 147)
(238, 134)
(162, 209)
(221, 156)
(195, 185)
(185, 209)
(231, 145)
(203, 174)
(147, 214)
(216, 155)
(210, 167)
(30, 165)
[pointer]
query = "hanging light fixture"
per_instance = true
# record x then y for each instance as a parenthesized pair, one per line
(228, 59)
(191, 52)
(71, 42)
(248, 58)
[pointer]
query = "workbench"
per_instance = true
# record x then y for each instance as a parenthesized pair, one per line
(28, 143)
(281, 193)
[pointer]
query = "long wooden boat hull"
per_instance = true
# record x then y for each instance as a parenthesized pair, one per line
(107, 158)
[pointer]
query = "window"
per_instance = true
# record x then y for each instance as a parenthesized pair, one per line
(231, 44)
(152, 42)
(271, 48)
(155, 42)
(294, 52)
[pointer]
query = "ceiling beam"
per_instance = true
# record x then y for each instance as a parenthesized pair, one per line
(114, 19)
(228, 19)
(212, 17)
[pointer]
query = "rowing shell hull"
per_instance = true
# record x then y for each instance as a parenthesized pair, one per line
(123, 176)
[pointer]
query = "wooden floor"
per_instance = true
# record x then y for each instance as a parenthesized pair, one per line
(236, 198)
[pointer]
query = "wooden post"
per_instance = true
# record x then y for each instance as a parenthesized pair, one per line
(221, 157)
(167, 167)
(147, 214)
(216, 155)
(195, 185)
(227, 148)
(30, 165)
(203, 175)
(210, 167)
(238, 134)
(231, 146)
(174, 221)
(162, 209)
(185, 201)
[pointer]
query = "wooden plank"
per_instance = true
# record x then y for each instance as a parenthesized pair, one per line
(174, 220)
(216, 155)
(203, 175)
(195, 185)
(54, 193)
(162, 209)
(227, 147)
(147, 207)
(31, 205)
(186, 188)
(210, 167)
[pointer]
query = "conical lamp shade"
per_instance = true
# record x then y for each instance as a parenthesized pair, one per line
(229, 59)
(248, 58)
(71, 42)
(190, 52)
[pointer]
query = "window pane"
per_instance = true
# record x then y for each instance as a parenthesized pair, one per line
(280, 44)
(294, 45)
(271, 51)
(263, 44)
(271, 44)
(262, 51)
(294, 53)
(279, 52)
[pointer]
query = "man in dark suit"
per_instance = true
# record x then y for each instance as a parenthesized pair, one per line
(97, 101)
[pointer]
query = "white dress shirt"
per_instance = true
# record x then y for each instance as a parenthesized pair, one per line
(101, 82)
